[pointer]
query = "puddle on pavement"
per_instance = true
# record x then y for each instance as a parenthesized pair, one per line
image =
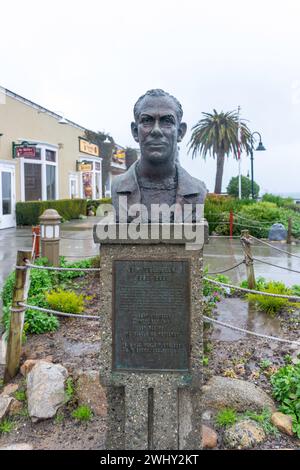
(245, 315)
(79, 348)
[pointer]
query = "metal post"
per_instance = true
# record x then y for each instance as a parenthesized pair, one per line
(252, 173)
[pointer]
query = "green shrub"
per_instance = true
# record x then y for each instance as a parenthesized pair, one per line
(65, 301)
(66, 275)
(226, 417)
(268, 304)
(82, 413)
(93, 204)
(20, 395)
(286, 389)
(69, 390)
(278, 200)
(246, 186)
(260, 283)
(27, 213)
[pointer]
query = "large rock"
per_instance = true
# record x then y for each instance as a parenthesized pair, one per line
(243, 435)
(45, 390)
(277, 233)
(30, 363)
(10, 389)
(209, 438)
(5, 402)
(17, 446)
(90, 392)
(283, 422)
(223, 392)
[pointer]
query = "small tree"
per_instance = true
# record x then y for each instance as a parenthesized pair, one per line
(233, 187)
(106, 151)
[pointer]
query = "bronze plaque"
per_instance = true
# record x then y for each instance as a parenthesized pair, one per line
(151, 315)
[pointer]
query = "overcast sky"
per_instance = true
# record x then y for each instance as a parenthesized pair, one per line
(92, 59)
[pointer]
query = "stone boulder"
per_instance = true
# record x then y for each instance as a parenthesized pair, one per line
(5, 403)
(283, 422)
(30, 363)
(224, 392)
(245, 434)
(209, 438)
(45, 390)
(10, 389)
(90, 392)
(277, 233)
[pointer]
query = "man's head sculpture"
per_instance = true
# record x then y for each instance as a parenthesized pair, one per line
(157, 126)
(157, 178)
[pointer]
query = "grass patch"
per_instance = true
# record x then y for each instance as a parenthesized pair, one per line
(264, 419)
(226, 417)
(82, 413)
(69, 390)
(6, 426)
(20, 395)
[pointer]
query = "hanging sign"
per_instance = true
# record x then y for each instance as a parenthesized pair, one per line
(24, 149)
(87, 147)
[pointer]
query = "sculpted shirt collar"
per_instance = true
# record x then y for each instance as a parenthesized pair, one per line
(187, 185)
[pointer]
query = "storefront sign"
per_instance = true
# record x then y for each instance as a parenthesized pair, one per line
(119, 156)
(84, 166)
(87, 147)
(24, 149)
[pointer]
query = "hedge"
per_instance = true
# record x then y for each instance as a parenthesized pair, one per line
(27, 213)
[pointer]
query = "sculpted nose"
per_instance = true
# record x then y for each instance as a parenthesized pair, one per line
(156, 130)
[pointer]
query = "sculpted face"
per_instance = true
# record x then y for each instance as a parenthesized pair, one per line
(158, 129)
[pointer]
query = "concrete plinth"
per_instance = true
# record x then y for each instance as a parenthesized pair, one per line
(158, 407)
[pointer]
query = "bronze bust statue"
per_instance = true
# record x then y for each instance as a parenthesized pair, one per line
(157, 178)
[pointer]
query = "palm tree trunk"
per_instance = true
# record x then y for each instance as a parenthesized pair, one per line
(219, 174)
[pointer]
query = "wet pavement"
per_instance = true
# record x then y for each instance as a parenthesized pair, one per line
(243, 314)
(222, 253)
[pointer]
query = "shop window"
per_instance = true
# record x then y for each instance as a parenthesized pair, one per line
(33, 181)
(50, 155)
(50, 181)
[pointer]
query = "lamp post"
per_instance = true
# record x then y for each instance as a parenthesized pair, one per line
(260, 147)
(50, 235)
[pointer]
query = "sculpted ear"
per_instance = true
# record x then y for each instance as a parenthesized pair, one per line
(181, 131)
(134, 131)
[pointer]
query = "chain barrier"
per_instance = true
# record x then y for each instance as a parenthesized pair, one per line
(253, 333)
(229, 269)
(276, 265)
(56, 312)
(252, 291)
(53, 268)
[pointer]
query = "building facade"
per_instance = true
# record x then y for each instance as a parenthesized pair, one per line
(43, 156)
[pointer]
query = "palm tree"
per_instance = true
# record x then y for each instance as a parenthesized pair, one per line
(217, 135)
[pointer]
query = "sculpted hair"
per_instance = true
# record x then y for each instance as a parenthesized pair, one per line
(156, 93)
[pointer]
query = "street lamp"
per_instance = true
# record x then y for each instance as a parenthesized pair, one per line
(259, 148)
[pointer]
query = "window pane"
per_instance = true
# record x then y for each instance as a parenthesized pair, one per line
(87, 185)
(97, 166)
(50, 155)
(33, 181)
(50, 181)
(6, 193)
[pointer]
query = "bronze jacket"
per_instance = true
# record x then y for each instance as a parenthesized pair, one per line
(189, 191)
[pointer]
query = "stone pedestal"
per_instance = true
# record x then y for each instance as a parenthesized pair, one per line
(151, 338)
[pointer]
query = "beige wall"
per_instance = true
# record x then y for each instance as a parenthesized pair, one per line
(19, 120)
